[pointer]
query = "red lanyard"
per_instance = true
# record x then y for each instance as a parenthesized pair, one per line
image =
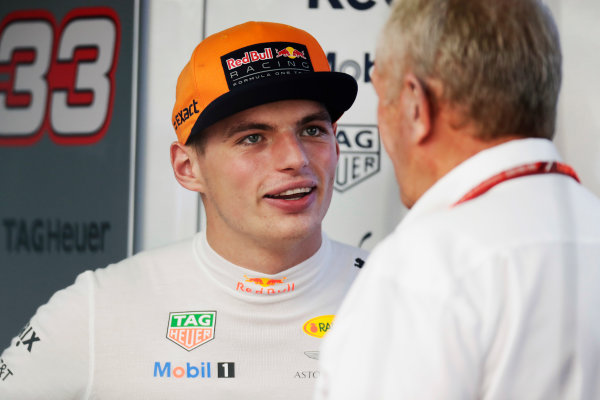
(541, 167)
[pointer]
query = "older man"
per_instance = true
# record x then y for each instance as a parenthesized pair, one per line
(489, 288)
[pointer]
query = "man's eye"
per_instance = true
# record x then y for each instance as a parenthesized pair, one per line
(313, 131)
(251, 139)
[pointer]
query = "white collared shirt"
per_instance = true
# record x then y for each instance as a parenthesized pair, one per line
(496, 298)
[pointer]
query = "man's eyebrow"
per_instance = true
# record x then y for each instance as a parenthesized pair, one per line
(261, 126)
(246, 126)
(318, 116)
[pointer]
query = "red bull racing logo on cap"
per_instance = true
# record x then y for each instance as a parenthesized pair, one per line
(191, 329)
(268, 286)
(263, 61)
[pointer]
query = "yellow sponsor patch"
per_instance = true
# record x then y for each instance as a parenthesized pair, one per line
(318, 326)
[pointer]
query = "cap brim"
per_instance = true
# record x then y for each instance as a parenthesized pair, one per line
(335, 90)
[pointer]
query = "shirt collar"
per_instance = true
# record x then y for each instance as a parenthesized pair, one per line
(255, 286)
(452, 186)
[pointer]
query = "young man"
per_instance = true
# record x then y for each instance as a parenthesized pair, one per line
(240, 310)
(489, 288)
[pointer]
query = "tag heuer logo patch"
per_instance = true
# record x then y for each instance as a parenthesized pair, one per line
(191, 329)
(359, 155)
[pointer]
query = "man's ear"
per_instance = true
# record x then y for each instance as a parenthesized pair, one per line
(418, 108)
(184, 161)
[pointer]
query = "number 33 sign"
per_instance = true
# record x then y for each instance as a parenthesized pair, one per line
(58, 80)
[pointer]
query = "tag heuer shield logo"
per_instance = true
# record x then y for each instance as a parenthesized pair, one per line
(191, 329)
(359, 155)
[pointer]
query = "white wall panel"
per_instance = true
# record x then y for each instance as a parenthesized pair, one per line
(165, 212)
(578, 125)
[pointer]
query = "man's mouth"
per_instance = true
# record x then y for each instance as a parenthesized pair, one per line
(292, 194)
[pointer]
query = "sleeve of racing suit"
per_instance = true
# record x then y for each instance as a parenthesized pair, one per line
(50, 357)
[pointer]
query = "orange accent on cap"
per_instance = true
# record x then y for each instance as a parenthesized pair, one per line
(203, 79)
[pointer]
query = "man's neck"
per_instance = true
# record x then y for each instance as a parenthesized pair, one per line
(449, 148)
(263, 255)
(460, 146)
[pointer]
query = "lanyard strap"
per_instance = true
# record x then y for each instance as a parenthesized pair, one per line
(537, 168)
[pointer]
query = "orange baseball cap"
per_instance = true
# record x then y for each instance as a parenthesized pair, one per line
(252, 64)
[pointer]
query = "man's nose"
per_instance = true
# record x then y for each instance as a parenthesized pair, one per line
(289, 152)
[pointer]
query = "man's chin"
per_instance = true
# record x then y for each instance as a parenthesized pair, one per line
(290, 230)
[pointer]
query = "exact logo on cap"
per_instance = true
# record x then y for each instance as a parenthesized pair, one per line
(265, 61)
(185, 113)
(191, 329)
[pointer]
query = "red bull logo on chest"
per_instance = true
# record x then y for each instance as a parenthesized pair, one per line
(191, 329)
(264, 282)
(265, 286)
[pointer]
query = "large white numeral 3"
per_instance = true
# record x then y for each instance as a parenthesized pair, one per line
(29, 78)
(77, 119)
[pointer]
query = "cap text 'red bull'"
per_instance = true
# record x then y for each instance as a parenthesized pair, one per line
(249, 57)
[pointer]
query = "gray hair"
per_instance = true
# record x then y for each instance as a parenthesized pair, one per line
(499, 61)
